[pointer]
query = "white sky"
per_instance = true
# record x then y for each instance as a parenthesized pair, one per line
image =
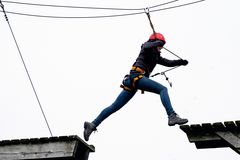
(77, 66)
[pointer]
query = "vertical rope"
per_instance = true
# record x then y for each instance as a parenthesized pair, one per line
(24, 64)
(154, 32)
(149, 18)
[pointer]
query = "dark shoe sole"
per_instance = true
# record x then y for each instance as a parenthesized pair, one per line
(84, 134)
(179, 123)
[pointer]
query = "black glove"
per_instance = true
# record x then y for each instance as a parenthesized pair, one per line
(183, 62)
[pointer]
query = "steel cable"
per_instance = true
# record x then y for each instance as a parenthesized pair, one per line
(106, 16)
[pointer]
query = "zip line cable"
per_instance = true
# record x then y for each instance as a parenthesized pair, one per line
(106, 16)
(103, 8)
(24, 64)
(81, 7)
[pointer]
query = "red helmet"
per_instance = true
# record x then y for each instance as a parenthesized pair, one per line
(157, 36)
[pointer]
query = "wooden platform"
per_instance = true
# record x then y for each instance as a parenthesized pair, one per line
(207, 135)
(57, 148)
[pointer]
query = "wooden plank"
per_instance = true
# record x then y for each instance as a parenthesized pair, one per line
(196, 128)
(231, 139)
(219, 126)
(53, 139)
(238, 124)
(5, 142)
(203, 137)
(207, 127)
(34, 140)
(185, 128)
(211, 144)
(43, 140)
(230, 125)
(24, 141)
(198, 133)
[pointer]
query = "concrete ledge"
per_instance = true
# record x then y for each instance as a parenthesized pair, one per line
(57, 148)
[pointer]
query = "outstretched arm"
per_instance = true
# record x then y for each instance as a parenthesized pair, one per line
(172, 63)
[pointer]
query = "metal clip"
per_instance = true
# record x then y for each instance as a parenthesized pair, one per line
(167, 79)
(146, 10)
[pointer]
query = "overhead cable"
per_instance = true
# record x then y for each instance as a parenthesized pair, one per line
(177, 6)
(103, 16)
(86, 7)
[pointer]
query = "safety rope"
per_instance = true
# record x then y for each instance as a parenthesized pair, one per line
(149, 18)
(24, 64)
(154, 32)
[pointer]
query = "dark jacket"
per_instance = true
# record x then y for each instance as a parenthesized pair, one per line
(149, 57)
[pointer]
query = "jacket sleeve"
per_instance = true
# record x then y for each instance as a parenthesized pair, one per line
(169, 63)
(152, 44)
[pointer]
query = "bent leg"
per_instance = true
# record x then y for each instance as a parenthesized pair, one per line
(120, 101)
(149, 85)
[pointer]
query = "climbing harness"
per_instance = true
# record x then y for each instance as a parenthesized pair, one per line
(154, 32)
(130, 80)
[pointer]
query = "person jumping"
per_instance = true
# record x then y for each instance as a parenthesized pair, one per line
(138, 79)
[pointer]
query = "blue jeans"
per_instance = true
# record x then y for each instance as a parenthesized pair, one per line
(145, 84)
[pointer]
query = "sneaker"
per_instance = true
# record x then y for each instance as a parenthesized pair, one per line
(88, 129)
(175, 119)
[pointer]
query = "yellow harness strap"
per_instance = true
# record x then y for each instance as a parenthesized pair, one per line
(138, 69)
(135, 79)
